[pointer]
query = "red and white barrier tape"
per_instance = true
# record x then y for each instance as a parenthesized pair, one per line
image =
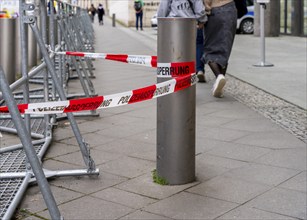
(167, 70)
(164, 70)
(143, 60)
(108, 101)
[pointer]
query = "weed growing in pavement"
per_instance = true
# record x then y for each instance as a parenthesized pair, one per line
(157, 179)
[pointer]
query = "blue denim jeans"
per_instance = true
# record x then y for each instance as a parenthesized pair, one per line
(199, 49)
(139, 17)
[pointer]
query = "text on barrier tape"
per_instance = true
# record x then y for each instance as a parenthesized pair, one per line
(114, 100)
(142, 60)
(167, 70)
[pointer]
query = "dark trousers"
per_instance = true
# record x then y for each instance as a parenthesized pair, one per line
(139, 17)
(199, 49)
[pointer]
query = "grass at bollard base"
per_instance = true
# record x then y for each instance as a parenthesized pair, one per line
(157, 179)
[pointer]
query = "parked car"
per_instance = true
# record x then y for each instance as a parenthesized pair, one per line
(4, 14)
(154, 21)
(245, 25)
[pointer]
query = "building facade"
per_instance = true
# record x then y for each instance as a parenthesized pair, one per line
(282, 16)
(124, 10)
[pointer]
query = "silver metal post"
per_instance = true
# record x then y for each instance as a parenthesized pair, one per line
(113, 20)
(24, 60)
(262, 62)
(176, 112)
(7, 48)
(43, 28)
(32, 50)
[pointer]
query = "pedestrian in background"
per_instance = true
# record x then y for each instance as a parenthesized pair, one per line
(220, 31)
(188, 9)
(92, 12)
(200, 66)
(138, 7)
(100, 11)
(49, 7)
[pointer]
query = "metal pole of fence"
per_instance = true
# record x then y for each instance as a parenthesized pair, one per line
(262, 62)
(23, 134)
(24, 59)
(59, 42)
(52, 35)
(43, 30)
(70, 45)
(32, 50)
(176, 112)
(84, 149)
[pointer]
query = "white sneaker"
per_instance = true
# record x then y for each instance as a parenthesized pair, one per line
(201, 76)
(217, 90)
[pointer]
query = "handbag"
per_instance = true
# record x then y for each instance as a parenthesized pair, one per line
(241, 8)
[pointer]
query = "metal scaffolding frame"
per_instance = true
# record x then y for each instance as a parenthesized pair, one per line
(70, 28)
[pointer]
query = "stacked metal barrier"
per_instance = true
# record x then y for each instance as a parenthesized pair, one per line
(69, 29)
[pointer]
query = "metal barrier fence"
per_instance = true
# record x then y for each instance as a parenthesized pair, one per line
(69, 28)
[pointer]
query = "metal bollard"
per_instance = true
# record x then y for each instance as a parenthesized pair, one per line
(176, 112)
(113, 20)
(17, 49)
(7, 48)
(262, 62)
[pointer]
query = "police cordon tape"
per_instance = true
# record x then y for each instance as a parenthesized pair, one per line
(143, 60)
(108, 101)
(164, 70)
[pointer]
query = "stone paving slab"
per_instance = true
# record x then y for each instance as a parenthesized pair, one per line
(297, 183)
(190, 206)
(125, 147)
(100, 157)
(244, 213)
(263, 174)
(272, 140)
(142, 215)
(128, 167)
(88, 184)
(282, 201)
(59, 149)
(209, 166)
(82, 208)
(145, 186)
(240, 152)
(252, 124)
(34, 202)
(230, 189)
(125, 198)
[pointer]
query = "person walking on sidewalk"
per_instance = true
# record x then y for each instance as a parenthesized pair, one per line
(92, 12)
(100, 11)
(188, 9)
(138, 7)
(220, 32)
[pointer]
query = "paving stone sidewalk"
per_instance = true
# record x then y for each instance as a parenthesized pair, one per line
(247, 166)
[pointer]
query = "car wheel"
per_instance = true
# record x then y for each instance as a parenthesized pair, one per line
(247, 26)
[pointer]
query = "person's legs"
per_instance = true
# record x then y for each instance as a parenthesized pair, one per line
(199, 53)
(141, 20)
(137, 21)
(99, 19)
(218, 70)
